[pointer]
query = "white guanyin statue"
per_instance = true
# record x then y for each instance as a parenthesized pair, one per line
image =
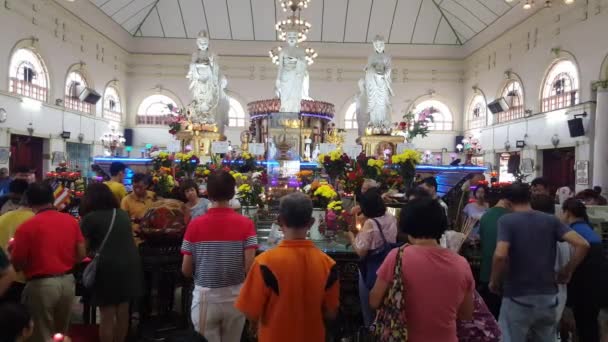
(378, 88)
(207, 84)
(361, 108)
(292, 79)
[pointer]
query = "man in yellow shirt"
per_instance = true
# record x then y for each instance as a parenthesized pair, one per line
(9, 223)
(137, 203)
(117, 171)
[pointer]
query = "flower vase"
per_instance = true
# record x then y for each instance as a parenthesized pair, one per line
(318, 215)
(249, 210)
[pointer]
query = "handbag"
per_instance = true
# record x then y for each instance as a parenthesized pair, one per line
(90, 272)
(390, 324)
(370, 264)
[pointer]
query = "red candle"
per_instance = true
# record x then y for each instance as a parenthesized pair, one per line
(58, 337)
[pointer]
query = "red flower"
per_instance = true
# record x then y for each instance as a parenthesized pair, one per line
(327, 159)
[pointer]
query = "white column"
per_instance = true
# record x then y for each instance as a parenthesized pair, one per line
(600, 141)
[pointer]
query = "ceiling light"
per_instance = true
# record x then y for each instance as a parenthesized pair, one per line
(548, 4)
(568, 2)
(509, 0)
(528, 4)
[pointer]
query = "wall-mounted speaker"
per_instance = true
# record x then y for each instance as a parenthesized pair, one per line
(128, 135)
(89, 95)
(576, 128)
(498, 106)
(457, 140)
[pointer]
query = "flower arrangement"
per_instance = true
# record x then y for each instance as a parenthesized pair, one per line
(392, 179)
(406, 163)
(249, 192)
(161, 159)
(304, 177)
(176, 122)
(336, 218)
(188, 162)
(353, 180)
(334, 163)
(164, 184)
(202, 171)
(415, 125)
(239, 177)
(322, 194)
(245, 162)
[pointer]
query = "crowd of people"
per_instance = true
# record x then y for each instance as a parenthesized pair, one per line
(536, 266)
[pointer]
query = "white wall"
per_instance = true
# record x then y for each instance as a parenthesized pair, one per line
(578, 32)
(333, 80)
(62, 40)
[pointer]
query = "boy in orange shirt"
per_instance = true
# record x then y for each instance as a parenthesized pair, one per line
(292, 288)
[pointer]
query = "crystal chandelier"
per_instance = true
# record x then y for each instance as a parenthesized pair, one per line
(293, 23)
(528, 4)
(310, 53)
(112, 140)
(294, 5)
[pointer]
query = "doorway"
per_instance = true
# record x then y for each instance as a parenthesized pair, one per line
(558, 168)
(26, 152)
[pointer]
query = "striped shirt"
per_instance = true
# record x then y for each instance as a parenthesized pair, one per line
(217, 242)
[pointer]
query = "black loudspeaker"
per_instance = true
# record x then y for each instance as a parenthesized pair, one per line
(128, 135)
(576, 127)
(458, 140)
(89, 95)
(498, 106)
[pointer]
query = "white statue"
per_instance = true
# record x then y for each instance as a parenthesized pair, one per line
(378, 86)
(207, 84)
(307, 143)
(316, 152)
(272, 149)
(292, 79)
(361, 108)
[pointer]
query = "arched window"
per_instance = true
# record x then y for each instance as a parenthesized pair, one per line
(111, 104)
(155, 110)
(350, 117)
(74, 85)
(28, 76)
(477, 112)
(236, 115)
(560, 89)
(514, 96)
(442, 116)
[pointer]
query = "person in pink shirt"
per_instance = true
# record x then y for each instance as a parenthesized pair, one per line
(438, 283)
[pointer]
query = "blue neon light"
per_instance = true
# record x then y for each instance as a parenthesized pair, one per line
(119, 159)
(450, 168)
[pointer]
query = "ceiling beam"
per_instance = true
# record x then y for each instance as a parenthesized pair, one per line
(145, 18)
(447, 21)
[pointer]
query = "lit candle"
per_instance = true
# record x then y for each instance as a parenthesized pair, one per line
(58, 337)
(358, 226)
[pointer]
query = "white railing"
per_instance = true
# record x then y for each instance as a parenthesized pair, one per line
(74, 103)
(28, 89)
(158, 120)
(108, 114)
(559, 101)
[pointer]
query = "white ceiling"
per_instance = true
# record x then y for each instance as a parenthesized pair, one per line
(426, 22)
